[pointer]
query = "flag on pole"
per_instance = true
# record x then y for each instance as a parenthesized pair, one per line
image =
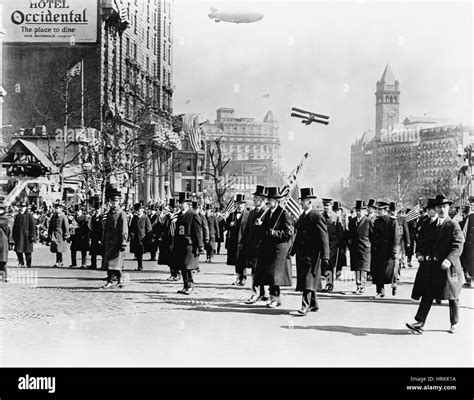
(193, 130)
(230, 207)
(413, 214)
(74, 70)
(290, 191)
(122, 11)
(292, 204)
(290, 181)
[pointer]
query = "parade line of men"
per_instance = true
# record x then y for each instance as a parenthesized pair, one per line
(264, 239)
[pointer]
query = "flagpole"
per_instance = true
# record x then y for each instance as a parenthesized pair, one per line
(65, 108)
(82, 93)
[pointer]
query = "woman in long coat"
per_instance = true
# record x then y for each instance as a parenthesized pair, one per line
(58, 234)
(4, 241)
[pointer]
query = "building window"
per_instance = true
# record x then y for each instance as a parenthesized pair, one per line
(147, 64)
(148, 38)
(169, 55)
(135, 51)
(135, 24)
(169, 79)
(164, 52)
(127, 47)
(148, 12)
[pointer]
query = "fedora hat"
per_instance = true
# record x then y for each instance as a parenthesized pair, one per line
(239, 198)
(259, 191)
(273, 193)
(326, 200)
(431, 203)
(372, 203)
(382, 205)
(307, 193)
(360, 205)
(184, 197)
(442, 199)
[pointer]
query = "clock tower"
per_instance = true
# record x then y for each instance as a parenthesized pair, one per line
(387, 102)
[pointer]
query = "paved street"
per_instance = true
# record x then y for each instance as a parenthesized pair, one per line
(59, 317)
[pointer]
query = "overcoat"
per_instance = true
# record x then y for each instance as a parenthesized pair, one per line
(96, 234)
(237, 239)
(311, 245)
(384, 250)
(221, 223)
(115, 238)
(467, 257)
(80, 240)
(139, 231)
(24, 232)
(165, 239)
(431, 280)
(59, 233)
(151, 241)
(5, 232)
(274, 257)
(253, 237)
(188, 240)
(335, 231)
(359, 236)
(213, 229)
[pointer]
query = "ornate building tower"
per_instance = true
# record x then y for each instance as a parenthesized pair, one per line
(387, 102)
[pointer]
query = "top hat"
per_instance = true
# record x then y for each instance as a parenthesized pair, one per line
(195, 204)
(382, 205)
(372, 203)
(466, 209)
(273, 193)
(392, 206)
(326, 200)
(307, 193)
(240, 198)
(172, 202)
(184, 197)
(114, 194)
(431, 203)
(442, 199)
(336, 206)
(259, 191)
(208, 207)
(137, 206)
(360, 205)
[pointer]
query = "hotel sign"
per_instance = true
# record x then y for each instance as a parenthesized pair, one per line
(50, 21)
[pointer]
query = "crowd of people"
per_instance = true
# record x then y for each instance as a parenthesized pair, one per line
(379, 239)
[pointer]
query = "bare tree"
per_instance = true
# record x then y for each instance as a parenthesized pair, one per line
(218, 165)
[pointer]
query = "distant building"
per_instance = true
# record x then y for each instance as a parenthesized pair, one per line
(252, 146)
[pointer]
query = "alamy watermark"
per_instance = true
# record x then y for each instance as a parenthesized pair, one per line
(400, 135)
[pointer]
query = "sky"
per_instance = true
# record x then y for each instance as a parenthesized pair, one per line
(325, 57)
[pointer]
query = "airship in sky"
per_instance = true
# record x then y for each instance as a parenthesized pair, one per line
(234, 16)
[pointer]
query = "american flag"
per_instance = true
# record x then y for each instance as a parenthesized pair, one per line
(174, 218)
(292, 204)
(291, 180)
(74, 70)
(291, 191)
(230, 207)
(122, 11)
(192, 128)
(413, 214)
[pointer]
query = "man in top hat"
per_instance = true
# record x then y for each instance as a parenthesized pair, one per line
(335, 231)
(467, 257)
(443, 278)
(359, 237)
(312, 249)
(383, 250)
(115, 240)
(236, 225)
(274, 261)
(213, 233)
(165, 231)
(188, 242)
(341, 257)
(221, 222)
(152, 239)
(254, 236)
(205, 226)
(81, 238)
(5, 232)
(96, 236)
(58, 233)
(372, 209)
(24, 235)
(139, 231)
(403, 236)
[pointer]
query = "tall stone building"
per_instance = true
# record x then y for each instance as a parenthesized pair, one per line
(253, 148)
(127, 88)
(406, 161)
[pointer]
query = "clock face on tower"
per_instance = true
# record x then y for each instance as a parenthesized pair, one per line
(391, 112)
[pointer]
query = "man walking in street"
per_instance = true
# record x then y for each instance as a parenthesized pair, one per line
(58, 233)
(359, 241)
(139, 231)
(24, 235)
(115, 240)
(96, 236)
(441, 276)
(165, 231)
(274, 261)
(81, 238)
(254, 226)
(213, 233)
(188, 242)
(312, 249)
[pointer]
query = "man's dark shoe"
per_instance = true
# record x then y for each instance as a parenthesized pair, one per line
(303, 311)
(416, 326)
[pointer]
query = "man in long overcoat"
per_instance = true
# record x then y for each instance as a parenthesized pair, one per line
(359, 238)
(5, 233)
(188, 242)
(213, 233)
(312, 249)
(81, 239)
(152, 240)
(383, 250)
(254, 226)
(274, 258)
(467, 257)
(115, 240)
(336, 237)
(165, 230)
(236, 225)
(139, 231)
(58, 233)
(96, 237)
(221, 223)
(24, 235)
(442, 278)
